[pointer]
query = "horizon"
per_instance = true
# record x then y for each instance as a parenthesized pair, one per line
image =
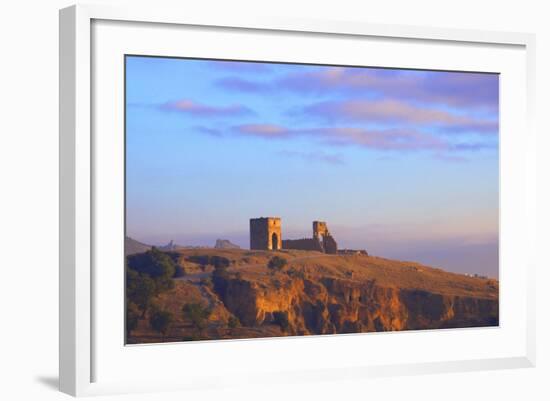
(401, 163)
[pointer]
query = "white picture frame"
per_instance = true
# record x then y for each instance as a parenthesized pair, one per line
(79, 316)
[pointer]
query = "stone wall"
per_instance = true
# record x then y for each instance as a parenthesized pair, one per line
(265, 234)
(329, 244)
(305, 244)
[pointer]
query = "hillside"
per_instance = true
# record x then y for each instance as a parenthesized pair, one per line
(131, 246)
(317, 293)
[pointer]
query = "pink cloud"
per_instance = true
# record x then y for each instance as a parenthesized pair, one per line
(456, 89)
(263, 130)
(382, 139)
(190, 107)
(343, 78)
(346, 136)
(397, 112)
(460, 89)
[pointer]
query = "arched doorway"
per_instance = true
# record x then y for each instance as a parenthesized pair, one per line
(274, 241)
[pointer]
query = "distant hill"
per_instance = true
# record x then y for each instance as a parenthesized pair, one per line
(131, 246)
(225, 244)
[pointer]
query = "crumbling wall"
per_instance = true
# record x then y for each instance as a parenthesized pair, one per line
(305, 244)
(265, 234)
(330, 244)
(322, 234)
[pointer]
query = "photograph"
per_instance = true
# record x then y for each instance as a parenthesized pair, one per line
(273, 199)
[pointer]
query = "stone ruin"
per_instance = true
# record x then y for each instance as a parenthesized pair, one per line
(265, 234)
(321, 241)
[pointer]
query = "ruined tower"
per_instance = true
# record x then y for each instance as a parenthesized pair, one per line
(321, 234)
(265, 233)
(320, 229)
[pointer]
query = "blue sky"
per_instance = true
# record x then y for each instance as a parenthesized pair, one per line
(402, 163)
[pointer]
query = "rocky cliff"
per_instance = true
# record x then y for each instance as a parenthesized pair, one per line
(315, 293)
(330, 305)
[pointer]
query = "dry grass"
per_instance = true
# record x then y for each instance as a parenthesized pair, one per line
(386, 272)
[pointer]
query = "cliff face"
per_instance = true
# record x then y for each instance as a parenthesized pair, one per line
(330, 305)
(316, 293)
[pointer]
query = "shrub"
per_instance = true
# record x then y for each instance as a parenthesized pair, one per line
(294, 273)
(277, 284)
(219, 261)
(132, 318)
(161, 321)
(202, 260)
(215, 260)
(179, 272)
(148, 275)
(233, 322)
(140, 290)
(154, 263)
(277, 263)
(197, 314)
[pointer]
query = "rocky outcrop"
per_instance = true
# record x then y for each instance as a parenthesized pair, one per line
(225, 244)
(330, 305)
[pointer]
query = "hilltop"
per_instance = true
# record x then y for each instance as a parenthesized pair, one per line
(131, 246)
(316, 293)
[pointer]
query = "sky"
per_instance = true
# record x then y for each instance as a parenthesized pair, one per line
(402, 163)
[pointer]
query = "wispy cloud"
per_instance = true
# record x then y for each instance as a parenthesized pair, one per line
(446, 114)
(314, 157)
(192, 108)
(396, 112)
(459, 89)
(264, 130)
(345, 136)
(380, 140)
(384, 140)
(456, 89)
